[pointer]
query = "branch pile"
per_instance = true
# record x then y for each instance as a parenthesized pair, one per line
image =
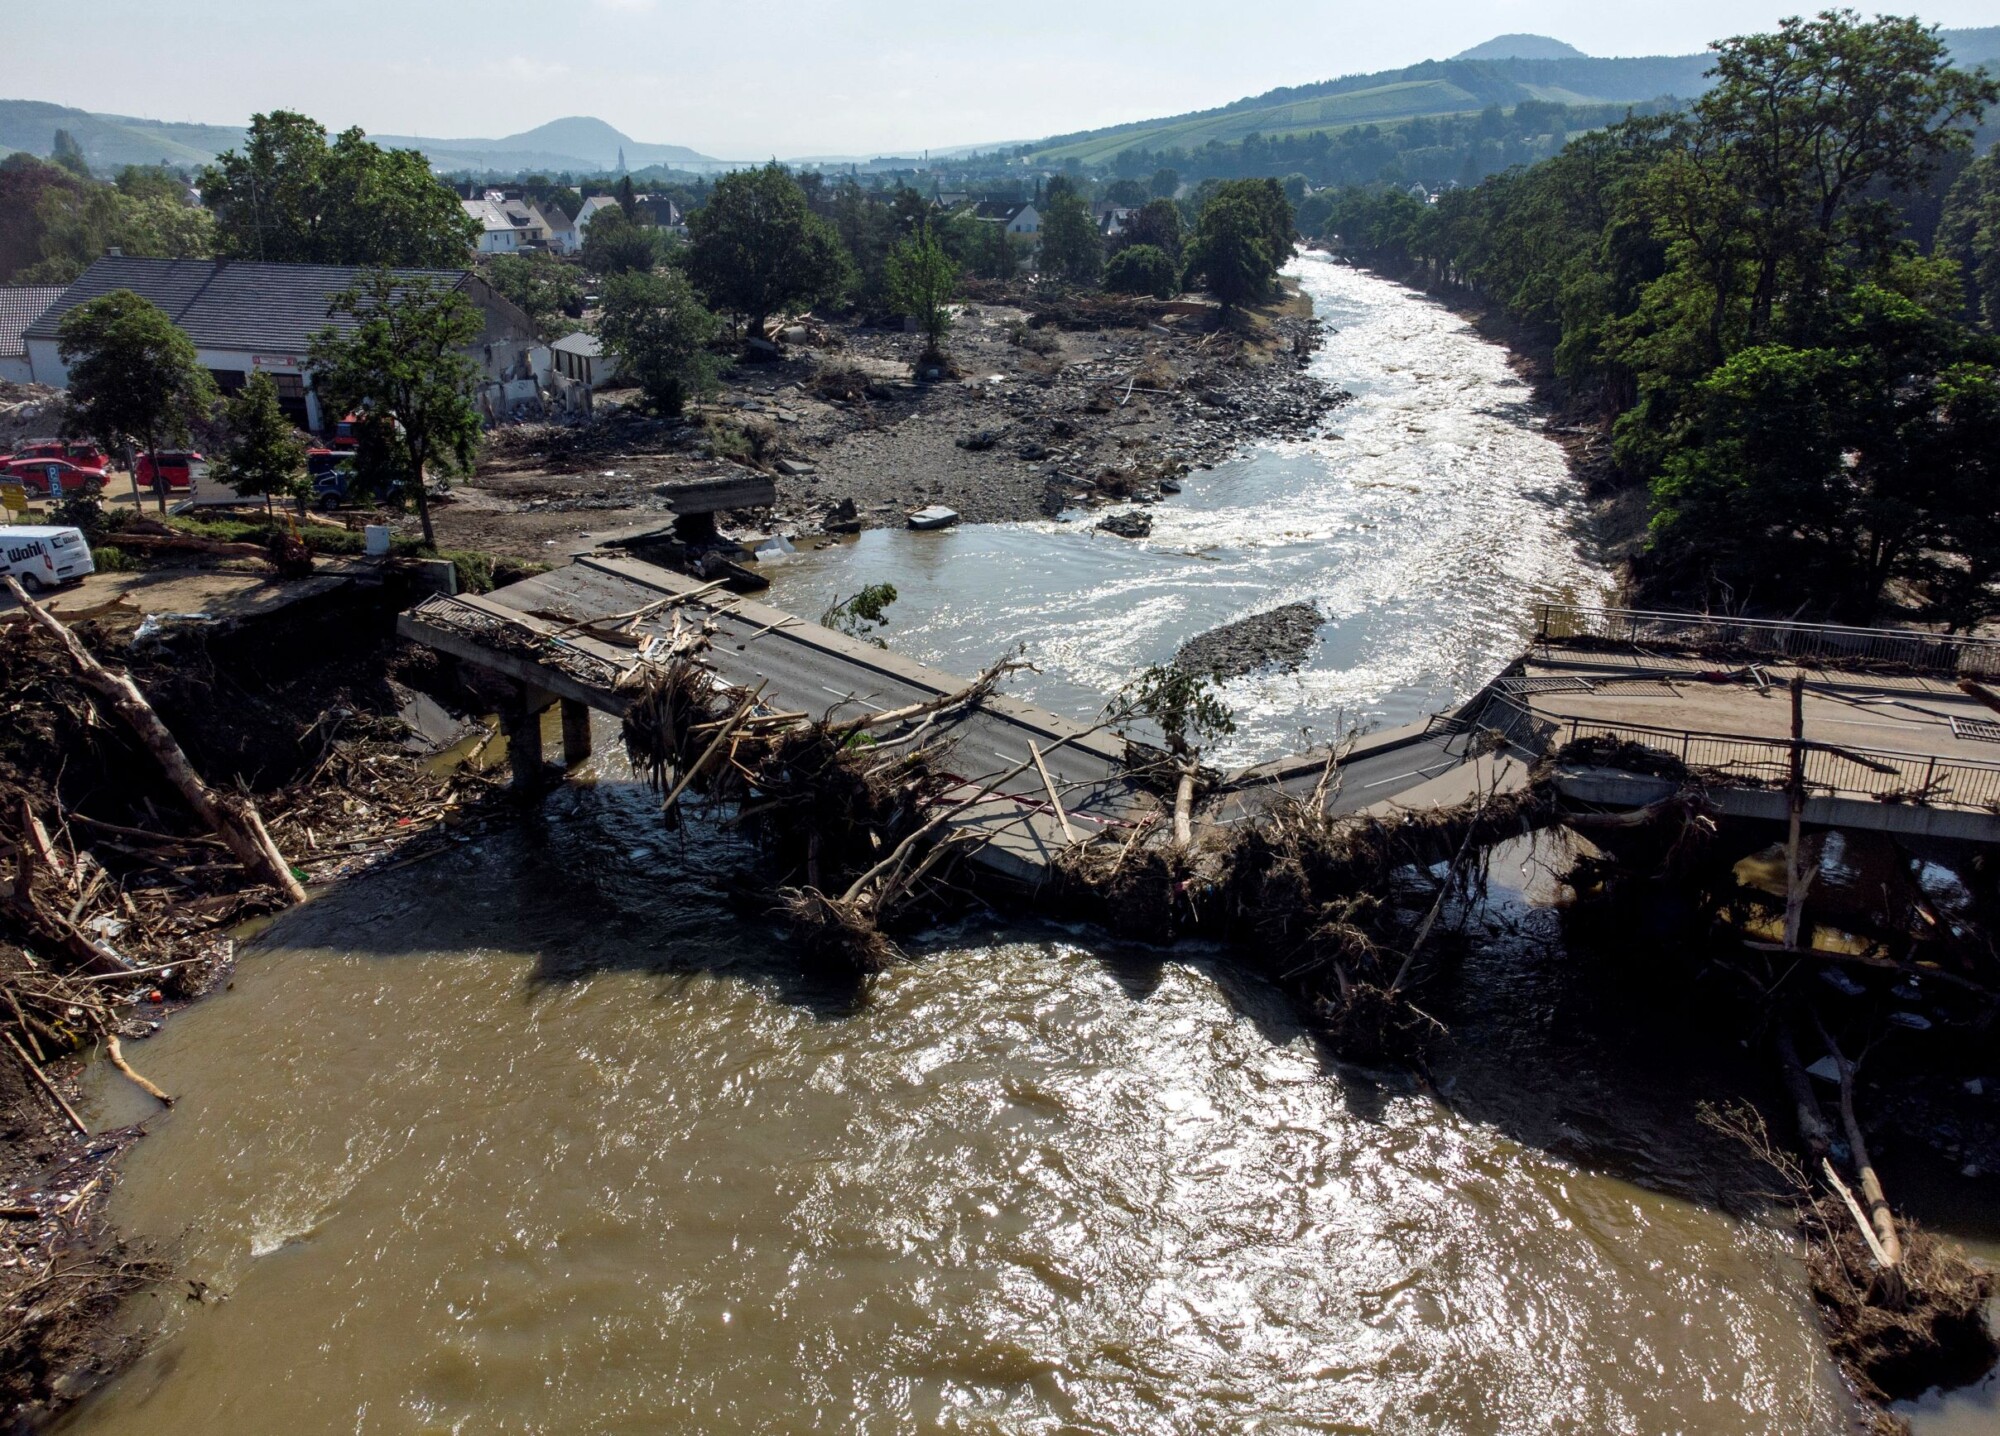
(850, 811)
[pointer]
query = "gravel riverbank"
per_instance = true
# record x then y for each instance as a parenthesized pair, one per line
(1053, 403)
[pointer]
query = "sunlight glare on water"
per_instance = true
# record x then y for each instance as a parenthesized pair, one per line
(1425, 520)
(577, 1154)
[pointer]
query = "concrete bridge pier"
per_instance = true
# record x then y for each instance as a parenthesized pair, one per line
(575, 732)
(526, 748)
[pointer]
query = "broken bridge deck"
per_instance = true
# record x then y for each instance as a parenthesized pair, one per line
(528, 632)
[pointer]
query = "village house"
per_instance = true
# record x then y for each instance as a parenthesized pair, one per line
(592, 207)
(1011, 215)
(1111, 218)
(581, 357)
(507, 225)
(659, 210)
(20, 307)
(247, 318)
(562, 231)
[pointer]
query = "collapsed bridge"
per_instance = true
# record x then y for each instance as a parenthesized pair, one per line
(1896, 733)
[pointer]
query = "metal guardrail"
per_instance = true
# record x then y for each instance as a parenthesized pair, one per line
(1952, 655)
(1877, 774)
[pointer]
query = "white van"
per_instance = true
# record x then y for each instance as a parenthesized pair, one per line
(44, 557)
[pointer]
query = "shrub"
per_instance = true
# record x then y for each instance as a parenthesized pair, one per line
(474, 569)
(1142, 269)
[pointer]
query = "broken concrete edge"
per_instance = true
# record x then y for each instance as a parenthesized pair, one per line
(1283, 770)
(1616, 788)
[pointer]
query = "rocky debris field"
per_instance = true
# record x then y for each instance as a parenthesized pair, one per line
(1052, 405)
(1277, 638)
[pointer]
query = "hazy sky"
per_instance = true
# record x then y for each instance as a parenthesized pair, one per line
(781, 77)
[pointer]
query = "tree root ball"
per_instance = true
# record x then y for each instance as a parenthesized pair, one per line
(1896, 1341)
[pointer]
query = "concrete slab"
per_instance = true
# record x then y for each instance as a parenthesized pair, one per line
(1490, 773)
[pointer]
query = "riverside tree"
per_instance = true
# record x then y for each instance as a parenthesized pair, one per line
(134, 380)
(139, 216)
(1970, 234)
(403, 360)
(263, 454)
(659, 332)
(922, 279)
(756, 248)
(1231, 251)
(289, 196)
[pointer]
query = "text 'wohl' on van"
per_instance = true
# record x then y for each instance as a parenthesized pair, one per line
(42, 557)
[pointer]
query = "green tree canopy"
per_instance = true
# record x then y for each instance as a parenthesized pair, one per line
(547, 290)
(263, 453)
(289, 196)
(66, 152)
(756, 248)
(405, 363)
(1072, 249)
(922, 279)
(79, 223)
(1157, 223)
(614, 244)
(1970, 234)
(1231, 251)
(1142, 269)
(659, 332)
(134, 381)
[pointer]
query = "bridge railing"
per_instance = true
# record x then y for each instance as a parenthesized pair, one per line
(1948, 654)
(1881, 775)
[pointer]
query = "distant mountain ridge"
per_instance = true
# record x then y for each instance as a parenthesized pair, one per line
(1522, 47)
(578, 143)
(1468, 83)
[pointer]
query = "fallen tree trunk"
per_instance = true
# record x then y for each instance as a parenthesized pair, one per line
(229, 817)
(189, 543)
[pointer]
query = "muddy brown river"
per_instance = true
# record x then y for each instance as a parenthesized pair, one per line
(547, 1136)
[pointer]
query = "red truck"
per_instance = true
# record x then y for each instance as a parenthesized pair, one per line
(79, 452)
(51, 478)
(173, 474)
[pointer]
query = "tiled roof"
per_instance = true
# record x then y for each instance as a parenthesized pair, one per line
(230, 304)
(20, 307)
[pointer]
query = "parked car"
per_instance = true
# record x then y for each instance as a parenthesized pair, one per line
(174, 473)
(52, 478)
(77, 451)
(44, 556)
(332, 481)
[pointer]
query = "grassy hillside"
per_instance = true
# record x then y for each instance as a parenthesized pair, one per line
(111, 140)
(1434, 88)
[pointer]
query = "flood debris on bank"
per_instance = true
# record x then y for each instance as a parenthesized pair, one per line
(1061, 401)
(156, 790)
